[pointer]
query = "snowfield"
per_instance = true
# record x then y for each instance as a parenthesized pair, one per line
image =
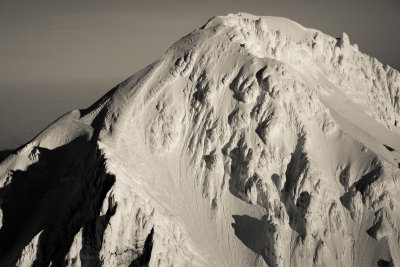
(252, 141)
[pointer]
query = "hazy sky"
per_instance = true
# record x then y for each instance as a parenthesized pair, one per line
(60, 55)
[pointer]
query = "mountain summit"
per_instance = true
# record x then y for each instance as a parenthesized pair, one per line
(253, 141)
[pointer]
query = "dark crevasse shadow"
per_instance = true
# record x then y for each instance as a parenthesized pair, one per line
(296, 168)
(144, 259)
(384, 263)
(388, 148)
(56, 197)
(367, 179)
(258, 234)
(236, 185)
(360, 186)
(250, 231)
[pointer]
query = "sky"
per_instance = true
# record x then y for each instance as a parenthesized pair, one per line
(56, 56)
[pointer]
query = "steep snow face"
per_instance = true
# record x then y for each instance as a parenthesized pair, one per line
(252, 141)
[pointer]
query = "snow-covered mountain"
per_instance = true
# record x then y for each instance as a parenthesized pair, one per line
(252, 141)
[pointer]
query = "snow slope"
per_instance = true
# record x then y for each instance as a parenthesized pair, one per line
(252, 141)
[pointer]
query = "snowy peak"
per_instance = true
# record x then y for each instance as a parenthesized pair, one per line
(252, 141)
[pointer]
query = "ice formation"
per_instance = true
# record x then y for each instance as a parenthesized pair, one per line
(253, 141)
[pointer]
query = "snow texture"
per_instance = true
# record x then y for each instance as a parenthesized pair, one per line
(252, 141)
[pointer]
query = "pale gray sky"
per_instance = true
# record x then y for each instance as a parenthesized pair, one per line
(60, 55)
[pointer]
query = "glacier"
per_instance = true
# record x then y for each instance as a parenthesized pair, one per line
(252, 141)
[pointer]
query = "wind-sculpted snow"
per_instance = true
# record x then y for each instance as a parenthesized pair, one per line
(252, 141)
